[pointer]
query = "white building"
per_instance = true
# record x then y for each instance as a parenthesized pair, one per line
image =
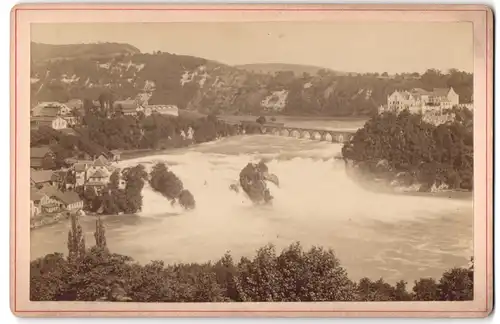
(95, 172)
(421, 101)
(56, 123)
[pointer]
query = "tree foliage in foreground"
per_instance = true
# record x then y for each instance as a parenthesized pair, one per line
(294, 274)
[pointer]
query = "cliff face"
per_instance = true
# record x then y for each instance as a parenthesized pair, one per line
(85, 71)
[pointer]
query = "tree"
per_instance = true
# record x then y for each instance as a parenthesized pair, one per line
(106, 100)
(165, 182)
(292, 275)
(48, 162)
(385, 74)
(456, 284)
(134, 178)
(186, 199)
(114, 180)
(76, 239)
(261, 120)
(426, 289)
(90, 199)
(428, 154)
(100, 235)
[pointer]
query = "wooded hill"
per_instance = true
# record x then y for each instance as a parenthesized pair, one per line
(63, 72)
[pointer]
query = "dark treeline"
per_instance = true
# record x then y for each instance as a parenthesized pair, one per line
(423, 152)
(156, 131)
(293, 275)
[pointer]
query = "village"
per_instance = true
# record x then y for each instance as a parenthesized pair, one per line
(54, 192)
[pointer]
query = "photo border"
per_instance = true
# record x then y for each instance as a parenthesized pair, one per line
(480, 16)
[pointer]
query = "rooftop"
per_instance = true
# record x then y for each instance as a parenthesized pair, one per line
(441, 92)
(101, 161)
(69, 197)
(41, 176)
(35, 195)
(125, 105)
(98, 174)
(40, 152)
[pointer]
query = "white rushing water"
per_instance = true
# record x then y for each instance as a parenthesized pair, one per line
(373, 234)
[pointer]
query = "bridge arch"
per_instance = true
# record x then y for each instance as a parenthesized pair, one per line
(295, 133)
(327, 136)
(284, 132)
(305, 134)
(316, 135)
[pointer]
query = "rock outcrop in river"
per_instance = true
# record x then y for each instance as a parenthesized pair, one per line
(253, 179)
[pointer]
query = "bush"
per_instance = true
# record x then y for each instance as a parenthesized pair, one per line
(186, 200)
(261, 120)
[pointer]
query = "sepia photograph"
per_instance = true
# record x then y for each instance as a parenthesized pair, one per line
(232, 161)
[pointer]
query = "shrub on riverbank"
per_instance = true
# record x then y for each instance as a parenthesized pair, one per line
(407, 145)
(293, 275)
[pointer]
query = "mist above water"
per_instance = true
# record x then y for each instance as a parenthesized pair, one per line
(373, 234)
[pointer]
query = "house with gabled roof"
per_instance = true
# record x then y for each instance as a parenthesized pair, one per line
(35, 202)
(75, 104)
(86, 171)
(70, 200)
(39, 178)
(128, 107)
(38, 154)
(98, 178)
(49, 202)
(55, 122)
(50, 109)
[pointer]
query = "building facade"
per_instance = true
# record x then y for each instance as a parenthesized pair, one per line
(56, 122)
(421, 101)
(92, 173)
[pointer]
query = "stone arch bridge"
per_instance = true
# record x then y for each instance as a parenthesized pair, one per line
(308, 133)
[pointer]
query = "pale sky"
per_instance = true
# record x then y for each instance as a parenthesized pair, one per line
(349, 47)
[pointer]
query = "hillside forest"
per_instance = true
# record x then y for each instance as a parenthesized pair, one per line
(64, 72)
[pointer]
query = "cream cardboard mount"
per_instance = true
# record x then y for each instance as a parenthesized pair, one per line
(251, 160)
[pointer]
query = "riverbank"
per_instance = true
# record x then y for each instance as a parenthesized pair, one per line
(385, 182)
(40, 221)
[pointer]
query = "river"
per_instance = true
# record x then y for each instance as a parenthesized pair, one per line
(373, 234)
